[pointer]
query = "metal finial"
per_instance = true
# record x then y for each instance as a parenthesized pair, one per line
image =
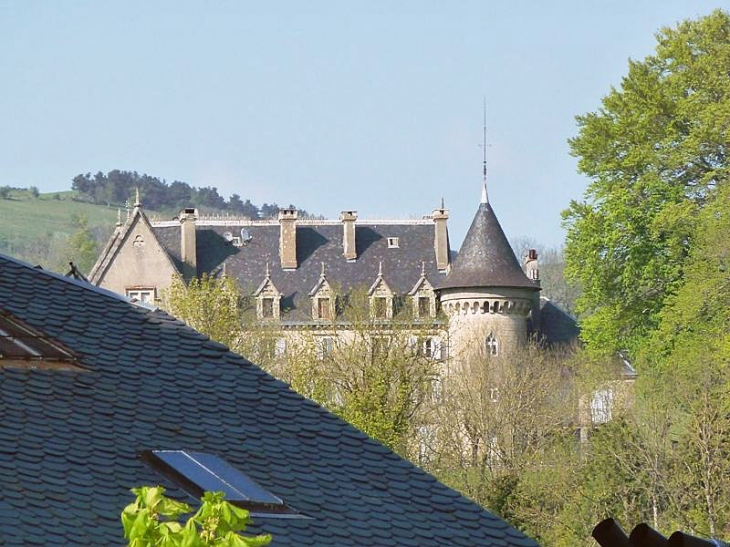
(322, 274)
(423, 269)
(485, 197)
(119, 216)
(268, 272)
(137, 202)
(380, 268)
(442, 204)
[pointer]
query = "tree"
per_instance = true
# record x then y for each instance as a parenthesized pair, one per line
(82, 247)
(5, 192)
(152, 520)
(211, 305)
(655, 152)
(374, 374)
(504, 431)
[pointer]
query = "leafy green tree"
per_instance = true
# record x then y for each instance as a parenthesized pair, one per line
(374, 374)
(5, 192)
(211, 305)
(655, 152)
(82, 247)
(152, 521)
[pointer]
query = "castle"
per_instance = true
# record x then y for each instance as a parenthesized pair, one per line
(295, 269)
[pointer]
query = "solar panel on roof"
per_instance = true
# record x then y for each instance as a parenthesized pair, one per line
(211, 473)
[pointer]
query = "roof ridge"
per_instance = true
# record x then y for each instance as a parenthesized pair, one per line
(83, 284)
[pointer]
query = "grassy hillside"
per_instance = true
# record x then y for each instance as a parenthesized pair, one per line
(24, 218)
(37, 229)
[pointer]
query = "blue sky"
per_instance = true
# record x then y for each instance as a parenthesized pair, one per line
(374, 106)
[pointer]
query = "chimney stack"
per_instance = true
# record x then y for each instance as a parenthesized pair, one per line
(288, 238)
(441, 237)
(348, 219)
(532, 271)
(187, 243)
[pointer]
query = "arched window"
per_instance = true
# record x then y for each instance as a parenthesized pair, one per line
(491, 345)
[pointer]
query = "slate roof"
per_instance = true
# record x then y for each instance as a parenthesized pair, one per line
(317, 243)
(486, 258)
(69, 440)
(556, 325)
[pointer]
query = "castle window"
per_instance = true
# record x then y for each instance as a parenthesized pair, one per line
(601, 406)
(431, 347)
(380, 307)
(324, 309)
(267, 308)
(145, 295)
(280, 348)
(325, 347)
(393, 243)
(424, 306)
(491, 345)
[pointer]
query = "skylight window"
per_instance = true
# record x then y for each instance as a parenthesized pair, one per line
(198, 472)
(23, 346)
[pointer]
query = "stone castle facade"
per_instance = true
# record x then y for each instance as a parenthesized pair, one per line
(296, 269)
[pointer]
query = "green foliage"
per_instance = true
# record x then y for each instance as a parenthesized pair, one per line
(82, 247)
(655, 152)
(211, 305)
(152, 521)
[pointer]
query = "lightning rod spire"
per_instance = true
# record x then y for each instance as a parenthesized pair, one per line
(485, 197)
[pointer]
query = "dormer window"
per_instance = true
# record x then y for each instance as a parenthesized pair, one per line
(424, 297)
(381, 298)
(268, 299)
(393, 243)
(380, 307)
(267, 308)
(323, 299)
(324, 308)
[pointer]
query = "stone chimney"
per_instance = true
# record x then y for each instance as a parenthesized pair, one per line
(532, 271)
(188, 251)
(441, 237)
(288, 238)
(348, 219)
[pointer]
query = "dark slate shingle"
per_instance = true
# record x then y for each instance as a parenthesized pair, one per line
(70, 441)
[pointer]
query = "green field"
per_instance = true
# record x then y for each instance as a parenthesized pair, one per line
(24, 218)
(37, 229)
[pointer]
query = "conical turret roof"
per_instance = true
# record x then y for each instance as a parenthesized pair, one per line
(486, 258)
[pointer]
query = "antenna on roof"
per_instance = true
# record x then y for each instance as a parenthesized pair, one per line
(485, 198)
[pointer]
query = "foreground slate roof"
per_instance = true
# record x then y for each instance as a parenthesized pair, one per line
(70, 439)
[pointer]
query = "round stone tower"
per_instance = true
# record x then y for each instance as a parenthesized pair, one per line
(486, 295)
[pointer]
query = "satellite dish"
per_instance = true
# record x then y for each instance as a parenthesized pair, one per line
(245, 236)
(228, 236)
